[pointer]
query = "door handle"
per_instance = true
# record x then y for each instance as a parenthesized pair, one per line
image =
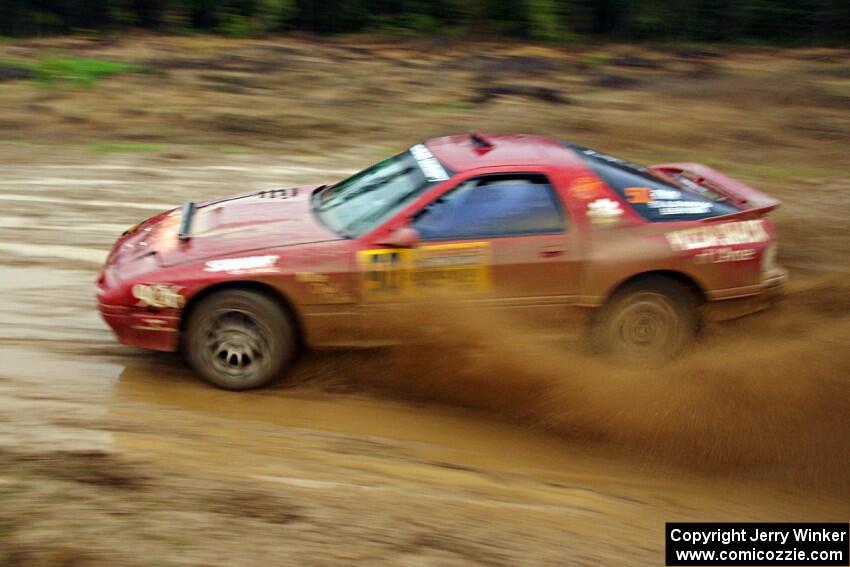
(550, 252)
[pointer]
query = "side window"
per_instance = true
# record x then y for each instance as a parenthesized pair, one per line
(656, 200)
(492, 206)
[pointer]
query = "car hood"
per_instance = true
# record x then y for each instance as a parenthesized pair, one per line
(239, 223)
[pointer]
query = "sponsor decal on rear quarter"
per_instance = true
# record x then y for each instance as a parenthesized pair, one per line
(725, 234)
(724, 255)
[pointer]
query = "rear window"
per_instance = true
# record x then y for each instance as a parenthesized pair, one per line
(654, 197)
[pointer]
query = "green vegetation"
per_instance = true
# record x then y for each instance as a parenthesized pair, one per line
(81, 72)
(131, 147)
(801, 22)
(595, 59)
(125, 147)
(452, 106)
(225, 148)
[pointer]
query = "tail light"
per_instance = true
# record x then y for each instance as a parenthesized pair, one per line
(768, 259)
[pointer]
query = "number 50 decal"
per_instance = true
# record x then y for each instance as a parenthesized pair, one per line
(392, 274)
(384, 273)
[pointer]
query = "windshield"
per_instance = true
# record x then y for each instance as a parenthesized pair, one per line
(355, 205)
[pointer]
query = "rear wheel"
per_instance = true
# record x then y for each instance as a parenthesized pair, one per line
(240, 339)
(649, 320)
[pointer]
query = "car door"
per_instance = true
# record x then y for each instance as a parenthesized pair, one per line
(498, 240)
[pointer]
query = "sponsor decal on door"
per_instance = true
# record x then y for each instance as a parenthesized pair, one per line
(393, 274)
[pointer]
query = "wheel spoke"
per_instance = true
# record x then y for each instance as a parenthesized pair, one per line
(645, 326)
(236, 344)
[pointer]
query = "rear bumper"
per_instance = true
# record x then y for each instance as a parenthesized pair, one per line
(733, 303)
(142, 328)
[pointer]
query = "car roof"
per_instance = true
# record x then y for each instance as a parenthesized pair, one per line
(470, 151)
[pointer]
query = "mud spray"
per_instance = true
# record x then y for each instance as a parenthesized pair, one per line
(767, 397)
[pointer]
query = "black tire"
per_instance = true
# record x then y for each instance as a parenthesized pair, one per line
(650, 320)
(240, 340)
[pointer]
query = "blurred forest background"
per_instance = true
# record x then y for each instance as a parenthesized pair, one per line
(785, 22)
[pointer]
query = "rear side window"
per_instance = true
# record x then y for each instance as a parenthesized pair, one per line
(493, 206)
(651, 196)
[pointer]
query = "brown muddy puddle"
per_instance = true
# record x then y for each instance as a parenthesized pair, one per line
(150, 408)
(453, 438)
(318, 441)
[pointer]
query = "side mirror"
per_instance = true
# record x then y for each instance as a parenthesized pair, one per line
(403, 237)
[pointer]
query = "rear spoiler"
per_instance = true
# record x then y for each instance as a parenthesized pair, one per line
(753, 202)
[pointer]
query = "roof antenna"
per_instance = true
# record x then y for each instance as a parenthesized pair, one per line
(482, 143)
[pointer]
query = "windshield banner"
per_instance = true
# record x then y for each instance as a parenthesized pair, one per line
(429, 165)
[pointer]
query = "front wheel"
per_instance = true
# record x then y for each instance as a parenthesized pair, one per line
(649, 320)
(239, 339)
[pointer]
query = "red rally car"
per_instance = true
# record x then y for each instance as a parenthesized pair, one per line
(530, 224)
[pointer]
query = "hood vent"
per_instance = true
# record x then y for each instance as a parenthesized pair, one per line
(278, 193)
(266, 194)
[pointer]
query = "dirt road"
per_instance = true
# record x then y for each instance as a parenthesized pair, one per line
(483, 449)
(114, 456)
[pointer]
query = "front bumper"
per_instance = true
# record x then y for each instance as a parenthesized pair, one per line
(143, 328)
